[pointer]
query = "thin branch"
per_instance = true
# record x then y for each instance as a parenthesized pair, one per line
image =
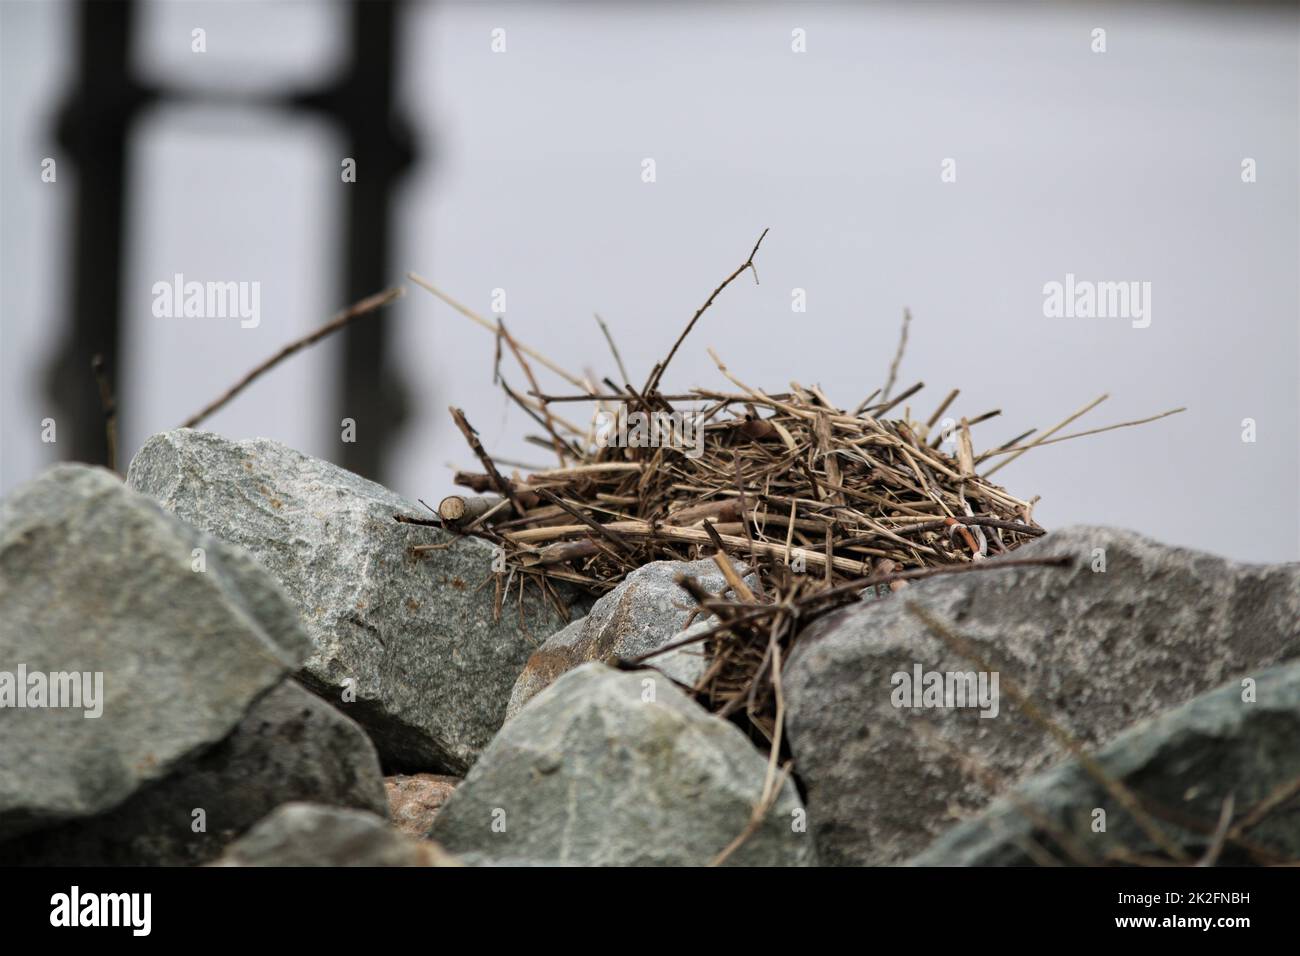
(771, 784)
(561, 448)
(1279, 796)
(1121, 793)
(1093, 431)
(475, 317)
(586, 519)
(1048, 434)
(1220, 833)
(355, 311)
(618, 359)
(916, 574)
(898, 356)
(471, 436)
(879, 410)
(657, 375)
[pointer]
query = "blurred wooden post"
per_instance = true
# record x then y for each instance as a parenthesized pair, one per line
(361, 102)
(94, 127)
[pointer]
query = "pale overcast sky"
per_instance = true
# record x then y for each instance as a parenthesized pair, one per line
(1123, 165)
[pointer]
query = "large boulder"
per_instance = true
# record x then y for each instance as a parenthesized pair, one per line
(406, 644)
(305, 834)
(129, 641)
(290, 746)
(1131, 629)
(619, 768)
(646, 611)
(1235, 743)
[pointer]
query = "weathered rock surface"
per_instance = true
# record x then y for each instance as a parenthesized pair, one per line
(305, 834)
(1097, 651)
(290, 746)
(432, 672)
(97, 580)
(593, 773)
(1189, 760)
(646, 611)
(413, 801)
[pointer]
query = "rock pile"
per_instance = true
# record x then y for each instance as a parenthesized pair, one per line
(1133, 629)
(217, 661)
(407, 647)
(619, 768)
(169, 720)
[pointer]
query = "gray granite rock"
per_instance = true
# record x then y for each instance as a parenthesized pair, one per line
(290, 746)
(304, 834)
(618, 768)
(1189, 760)
(410, 637)
(1096, 649)
(97, 580)
(646, 611)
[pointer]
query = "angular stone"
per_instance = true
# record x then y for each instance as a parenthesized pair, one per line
(646, 611)
(413, 801)
(304, 834)
(1189, 760)
(96, 579)
(290, 746)
(432, 671)
(1096, 650)
(596, 771)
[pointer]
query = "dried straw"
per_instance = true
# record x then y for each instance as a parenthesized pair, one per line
(819, 504)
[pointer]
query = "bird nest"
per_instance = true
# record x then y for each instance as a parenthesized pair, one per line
(803, 505)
